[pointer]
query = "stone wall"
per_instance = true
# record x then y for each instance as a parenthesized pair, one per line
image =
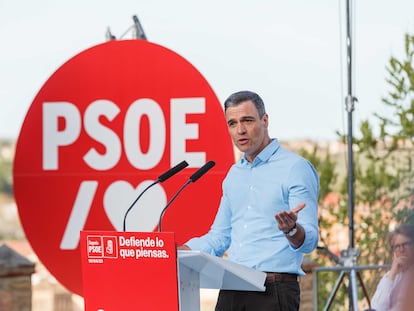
(15, 281)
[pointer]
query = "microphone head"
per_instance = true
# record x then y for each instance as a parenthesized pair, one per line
(202, 171)
(180, 166)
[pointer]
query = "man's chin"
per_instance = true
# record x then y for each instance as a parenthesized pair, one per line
(244, 150)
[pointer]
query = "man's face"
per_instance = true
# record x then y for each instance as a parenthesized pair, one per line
(247, 130)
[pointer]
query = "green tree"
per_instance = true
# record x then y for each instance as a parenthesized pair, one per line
(398, 128)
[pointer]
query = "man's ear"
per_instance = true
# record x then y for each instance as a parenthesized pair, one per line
(266, 119)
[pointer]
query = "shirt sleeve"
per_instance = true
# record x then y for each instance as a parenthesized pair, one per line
(381, 299)
(217, 240)
(304, 187)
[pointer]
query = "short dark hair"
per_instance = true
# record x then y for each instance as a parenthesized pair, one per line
(236, 98)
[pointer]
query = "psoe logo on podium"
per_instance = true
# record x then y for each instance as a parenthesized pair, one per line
(102, 247)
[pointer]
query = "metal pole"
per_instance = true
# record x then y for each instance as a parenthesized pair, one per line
(349, 102)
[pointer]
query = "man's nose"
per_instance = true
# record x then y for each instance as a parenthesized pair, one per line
(241, 128)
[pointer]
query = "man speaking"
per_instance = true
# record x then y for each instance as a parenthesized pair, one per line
(268, 214)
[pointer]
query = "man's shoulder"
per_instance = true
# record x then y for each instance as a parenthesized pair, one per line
(286, 154)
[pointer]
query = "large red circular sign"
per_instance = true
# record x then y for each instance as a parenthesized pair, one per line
(105, 125)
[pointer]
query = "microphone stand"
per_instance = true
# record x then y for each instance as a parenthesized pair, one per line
(135, 201)
(171, 172)
(169, 203)
(193, 178)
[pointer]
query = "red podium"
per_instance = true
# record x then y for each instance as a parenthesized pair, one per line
(140, 271)
(129, 271)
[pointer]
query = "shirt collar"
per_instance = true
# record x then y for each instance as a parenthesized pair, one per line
(264, 155)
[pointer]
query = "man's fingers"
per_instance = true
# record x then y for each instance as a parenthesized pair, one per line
(298, 208)
(288, 218)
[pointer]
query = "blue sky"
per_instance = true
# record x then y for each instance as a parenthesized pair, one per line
(291, 52)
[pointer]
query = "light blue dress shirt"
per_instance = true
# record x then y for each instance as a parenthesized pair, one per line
(253, 193)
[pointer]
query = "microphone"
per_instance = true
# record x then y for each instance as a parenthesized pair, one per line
(163, 177)
(193, 178)
(172, 171)
(202, 171)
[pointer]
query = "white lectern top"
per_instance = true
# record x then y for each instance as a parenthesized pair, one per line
(216, 272)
